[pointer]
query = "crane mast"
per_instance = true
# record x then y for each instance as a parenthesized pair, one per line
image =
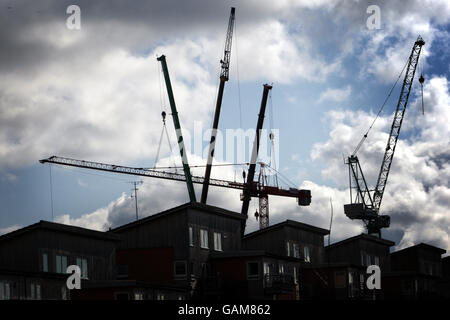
(366, 203)
(176, 123)
(224, 74)
(251, 185)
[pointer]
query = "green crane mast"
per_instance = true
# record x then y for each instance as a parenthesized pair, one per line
(176, 123)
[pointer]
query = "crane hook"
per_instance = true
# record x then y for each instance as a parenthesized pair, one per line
(422, 80)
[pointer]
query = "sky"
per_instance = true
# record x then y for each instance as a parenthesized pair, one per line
(96, 93)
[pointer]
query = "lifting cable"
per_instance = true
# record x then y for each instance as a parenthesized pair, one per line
(421, 81)
(51, 190)
(379, 112)
(272, 139)
(162, 101)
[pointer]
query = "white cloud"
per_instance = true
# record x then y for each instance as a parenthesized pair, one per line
(9, 229)
(337, 95)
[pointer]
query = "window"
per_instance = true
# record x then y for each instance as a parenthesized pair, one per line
(296, 249)
(138, 296)
(377, 260)
(180, 268)
(61, 264)
(44, 262)
(339, 279)
(191, 236)
(350, 278)
(368, 263)
(2, 290)
(295, 275)
(204, 239)
(266, 268)
(122, 296)
(252, 270)
(64, 293)
(160, 296)
(280, 269)
(122, 270)
(217, 241)
(82, 263)
(306, 254)
(38, 292)
(288, 248)
(32, 291)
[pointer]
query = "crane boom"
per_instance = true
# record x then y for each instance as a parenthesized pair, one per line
(366, 203)
(397, 123)
(251, 185)
(224, 74)
(176, 122)
(154, 173)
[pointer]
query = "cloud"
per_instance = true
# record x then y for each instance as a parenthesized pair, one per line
(10, 229)
(337, 95)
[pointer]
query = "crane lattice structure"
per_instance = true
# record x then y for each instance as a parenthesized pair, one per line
(224, 75)
(365, 203)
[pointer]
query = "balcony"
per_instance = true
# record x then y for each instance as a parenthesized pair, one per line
(278, 283)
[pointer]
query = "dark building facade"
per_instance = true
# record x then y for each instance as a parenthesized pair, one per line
(416, 273)
(290, 239)
(251, 274)
(197, 251)
(191, 232)
(33, 260)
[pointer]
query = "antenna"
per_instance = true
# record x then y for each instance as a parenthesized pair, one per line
(331, 220)
(135, 189)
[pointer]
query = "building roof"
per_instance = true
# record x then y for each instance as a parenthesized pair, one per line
(361, 237)
(421, 246)
(181, 208)
(290, 223)
(63, 228)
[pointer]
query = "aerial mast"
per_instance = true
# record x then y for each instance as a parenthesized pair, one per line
(224, 75)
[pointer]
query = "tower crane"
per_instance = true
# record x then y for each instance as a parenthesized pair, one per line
(161, 174)
(224, 75)
(365, 203)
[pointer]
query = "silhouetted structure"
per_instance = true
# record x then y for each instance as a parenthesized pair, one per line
(415, 273)
(196, 251)
(33, 260)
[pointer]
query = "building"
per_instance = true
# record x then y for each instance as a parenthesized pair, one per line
(362, 250)
(34, 259)
(180, 241)
(415, 273)
(289, 239)
(251, 274)
(342, 273)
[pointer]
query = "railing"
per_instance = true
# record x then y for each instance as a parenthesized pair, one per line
(279, 281)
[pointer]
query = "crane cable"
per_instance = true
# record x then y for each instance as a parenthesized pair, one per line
(379, 112)
(421, 81)
(162, 101)
(272, 139)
